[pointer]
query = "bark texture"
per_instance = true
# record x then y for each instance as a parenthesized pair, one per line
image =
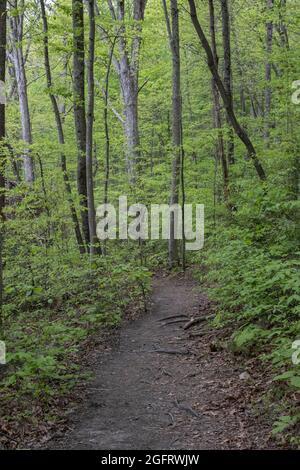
(16, 27)
(89, 130)
(173, 33)
(226, 31)
(79, 109)
(268, 71)
(60, 131)
(217, 119)
(127, 67)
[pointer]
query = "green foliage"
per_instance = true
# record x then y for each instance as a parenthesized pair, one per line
(248, 338)
(55, 298)
(254, 276)
(283, 423)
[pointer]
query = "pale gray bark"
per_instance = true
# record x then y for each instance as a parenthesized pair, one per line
(16, 29)
(106, 126)
(127, 68)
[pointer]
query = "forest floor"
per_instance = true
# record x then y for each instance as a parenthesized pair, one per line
(164, 387)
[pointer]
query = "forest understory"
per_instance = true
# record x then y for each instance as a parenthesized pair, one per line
(167, 384)
(164, 379)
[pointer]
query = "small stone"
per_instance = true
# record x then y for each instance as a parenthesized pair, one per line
(244, 376)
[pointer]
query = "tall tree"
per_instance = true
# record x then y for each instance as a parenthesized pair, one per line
(268, 68)
(16, 21)
(220, 151)
(2, 137)
(227, 72)
(240, 131)
(79, 109)
(60, 131)
(106, 126)
(127, 67)
(173, 33)
(89, 129)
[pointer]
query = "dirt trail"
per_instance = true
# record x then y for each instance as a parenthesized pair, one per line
(145, 396)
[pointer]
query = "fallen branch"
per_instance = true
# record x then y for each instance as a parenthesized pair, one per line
(174, 321)
(172, 351)
(173, 316)
(195, 321)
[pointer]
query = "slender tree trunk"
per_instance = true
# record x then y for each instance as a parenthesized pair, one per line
(242, 90)
(79, 110)
(182, 187)
(227, 73)
(2, 137)
(281, 27)
(16, 26)
(268, 71)
(173, 33)
(220, 156)
(106, 128)
(94, 245)
(241, 133)
(60, 132)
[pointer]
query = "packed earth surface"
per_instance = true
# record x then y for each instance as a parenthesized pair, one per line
(167, 385)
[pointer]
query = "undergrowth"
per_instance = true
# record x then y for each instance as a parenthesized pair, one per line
(253, 260)
(47, 328)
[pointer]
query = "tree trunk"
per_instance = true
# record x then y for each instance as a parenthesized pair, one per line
(94, 245)
(241, 133)
(127, 68)
(173, 33)
(79, 110)
(227, 73)
(106, 127)
(268, 72)
(60, 132)
(239, 66)
(220, 156)
(2, 137)
(16, 26)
